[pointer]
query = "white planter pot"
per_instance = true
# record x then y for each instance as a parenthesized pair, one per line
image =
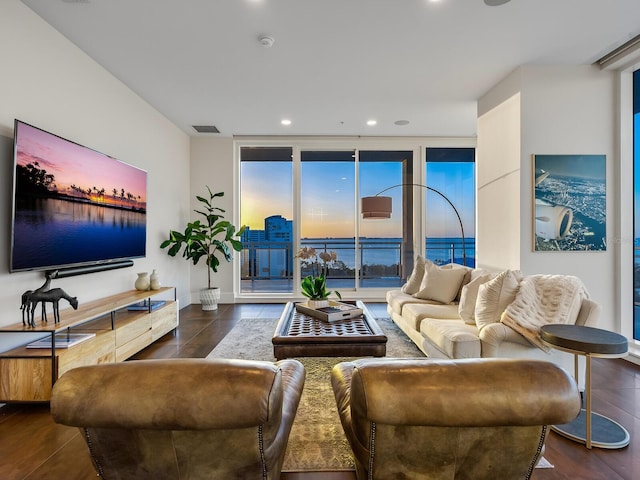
(209, 298)
(318, 303)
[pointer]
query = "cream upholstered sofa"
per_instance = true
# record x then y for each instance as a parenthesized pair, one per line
(458, 312)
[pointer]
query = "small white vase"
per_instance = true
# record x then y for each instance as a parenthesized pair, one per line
(143, 282)
(154, 281)
(318, 303)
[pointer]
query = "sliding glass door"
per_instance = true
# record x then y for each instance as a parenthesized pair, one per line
(385, 246)
(327, 212)
(450, 173)
(296, 196)
(266, 208)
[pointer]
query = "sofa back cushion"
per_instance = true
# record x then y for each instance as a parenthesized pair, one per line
(469, 296)
(415, 279)
(440, 284)
(466, 279)
(494, 296)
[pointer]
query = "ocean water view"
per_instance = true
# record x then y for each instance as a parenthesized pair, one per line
(268, 266)
(388, 251)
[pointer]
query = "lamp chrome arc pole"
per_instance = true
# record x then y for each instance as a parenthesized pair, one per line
(464, 249)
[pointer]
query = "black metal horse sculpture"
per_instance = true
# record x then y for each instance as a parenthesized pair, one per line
(54, 296)
(26, 303)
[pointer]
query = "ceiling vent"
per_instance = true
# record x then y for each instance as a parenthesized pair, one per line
(206, 129)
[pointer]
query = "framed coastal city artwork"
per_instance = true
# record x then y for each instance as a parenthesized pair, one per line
(569, 203)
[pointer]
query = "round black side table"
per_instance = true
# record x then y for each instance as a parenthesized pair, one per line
(589, 428)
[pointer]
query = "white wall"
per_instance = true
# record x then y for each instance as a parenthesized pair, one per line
(50, 83)
(563, 110)
(572, 110)
(212, 165)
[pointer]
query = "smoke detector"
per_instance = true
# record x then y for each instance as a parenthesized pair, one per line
(266, 41)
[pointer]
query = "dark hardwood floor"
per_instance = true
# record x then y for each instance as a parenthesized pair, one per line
(33, 447)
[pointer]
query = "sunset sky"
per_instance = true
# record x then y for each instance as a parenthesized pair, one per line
(328, 197)
(71, 163)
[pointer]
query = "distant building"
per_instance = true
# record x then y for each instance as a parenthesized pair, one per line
(269, 251)
(278, 229)
(252, 235)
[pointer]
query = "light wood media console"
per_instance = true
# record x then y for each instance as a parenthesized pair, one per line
(27, 375)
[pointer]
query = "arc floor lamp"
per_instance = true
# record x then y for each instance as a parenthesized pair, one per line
(379, 207)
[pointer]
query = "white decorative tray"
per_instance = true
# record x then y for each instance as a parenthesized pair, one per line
(332, 313)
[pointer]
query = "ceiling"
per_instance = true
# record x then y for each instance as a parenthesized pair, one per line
(334, 64)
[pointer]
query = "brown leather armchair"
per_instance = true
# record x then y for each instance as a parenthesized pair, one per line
(469, 419)
(183, 418)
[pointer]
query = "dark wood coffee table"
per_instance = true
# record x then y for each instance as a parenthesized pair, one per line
(300, 335)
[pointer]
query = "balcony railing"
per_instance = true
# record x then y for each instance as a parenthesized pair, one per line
(268, 266)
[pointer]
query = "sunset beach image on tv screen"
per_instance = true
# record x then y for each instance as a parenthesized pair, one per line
(73, 205)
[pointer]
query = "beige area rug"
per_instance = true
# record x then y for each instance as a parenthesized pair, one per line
(317, 441)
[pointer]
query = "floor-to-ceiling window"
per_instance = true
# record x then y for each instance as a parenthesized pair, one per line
(450, 172)
(327, 212)
(385, 246)
(636, 205)
(299, 196)
(266, 190)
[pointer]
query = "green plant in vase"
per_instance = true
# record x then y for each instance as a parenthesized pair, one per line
(314, 286)
(213, 239)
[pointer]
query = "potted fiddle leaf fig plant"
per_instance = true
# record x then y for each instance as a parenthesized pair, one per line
(211, 238)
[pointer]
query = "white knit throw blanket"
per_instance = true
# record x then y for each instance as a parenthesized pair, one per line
(541, 300)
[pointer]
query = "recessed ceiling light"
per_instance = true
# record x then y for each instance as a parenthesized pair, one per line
(401, 122)
(285, 122)
(495, 3)
(371, 122)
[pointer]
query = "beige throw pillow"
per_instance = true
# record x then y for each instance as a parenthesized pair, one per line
(467, 306)
(414, 281)
(440, 284)
(494, 296)
(465, 280)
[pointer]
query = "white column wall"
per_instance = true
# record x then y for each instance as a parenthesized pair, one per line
(498, 173)
(563, 110)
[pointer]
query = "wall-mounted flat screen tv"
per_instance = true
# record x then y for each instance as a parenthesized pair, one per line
(73, 206)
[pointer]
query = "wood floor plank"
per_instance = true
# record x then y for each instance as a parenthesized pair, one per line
(573, 461)
(57, 467)
(28, 439)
